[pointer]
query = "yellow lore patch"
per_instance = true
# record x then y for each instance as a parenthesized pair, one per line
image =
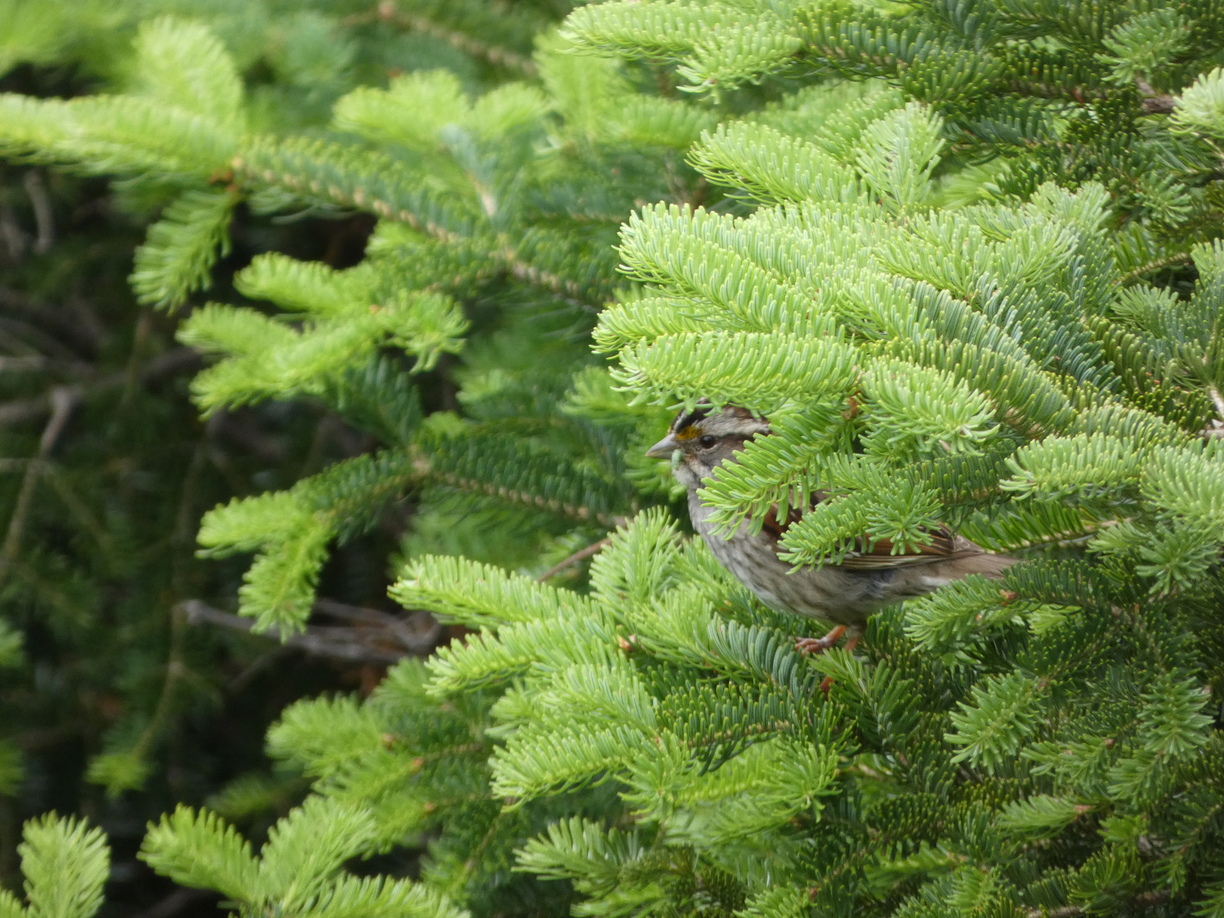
(688, 433)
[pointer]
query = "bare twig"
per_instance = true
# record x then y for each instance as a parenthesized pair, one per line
(62, 400)
(16, 412)
(45, 334)
(43, 219)
(417, 634)
(344, 643)
(22, 364)
(1146, 899)
(573, 559)
(175, 669)
(11, 234)
(1155, 103)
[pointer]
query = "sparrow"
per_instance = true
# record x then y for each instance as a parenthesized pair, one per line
(843, 594)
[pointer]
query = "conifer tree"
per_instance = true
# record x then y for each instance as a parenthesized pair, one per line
(968, 264)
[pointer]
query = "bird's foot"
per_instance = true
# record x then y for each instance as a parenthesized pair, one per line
(807, 646)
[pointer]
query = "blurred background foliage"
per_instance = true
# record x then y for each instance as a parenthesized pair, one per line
(116, 704)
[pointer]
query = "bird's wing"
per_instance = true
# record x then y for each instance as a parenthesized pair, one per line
(942, 544)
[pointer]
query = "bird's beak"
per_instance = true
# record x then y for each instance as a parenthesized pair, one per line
(664, 448)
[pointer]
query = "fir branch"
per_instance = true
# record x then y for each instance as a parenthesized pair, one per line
(1167, 261)
(352, 177)
(201, 850)
(498, 55)
(182, 247)
(575, 292)
(482, 596)
(65, 863)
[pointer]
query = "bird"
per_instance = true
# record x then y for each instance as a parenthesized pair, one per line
(843, 594)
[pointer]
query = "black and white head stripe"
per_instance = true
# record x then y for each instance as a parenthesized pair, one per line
(706, 420)
(686, 419)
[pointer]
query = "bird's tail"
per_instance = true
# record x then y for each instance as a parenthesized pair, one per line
(986, 564)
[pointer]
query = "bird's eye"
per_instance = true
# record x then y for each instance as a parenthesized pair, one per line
(707, 441)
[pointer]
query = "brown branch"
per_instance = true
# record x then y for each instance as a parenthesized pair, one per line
(22, 364)
(11, 235)
(44, 222)
(580, 555)
(418, 634)
(62, 400)
(340, 643)
(1146, 899)
(1155, 103)
(171, 362)
(1065, 911)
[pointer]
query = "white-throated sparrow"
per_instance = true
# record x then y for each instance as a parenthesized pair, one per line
(844, 594)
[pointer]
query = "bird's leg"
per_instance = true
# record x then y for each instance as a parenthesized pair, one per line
(821, 644)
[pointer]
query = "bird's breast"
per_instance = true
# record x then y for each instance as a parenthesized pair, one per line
(829, 593)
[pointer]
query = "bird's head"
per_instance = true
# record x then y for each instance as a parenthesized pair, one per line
(704, 438)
